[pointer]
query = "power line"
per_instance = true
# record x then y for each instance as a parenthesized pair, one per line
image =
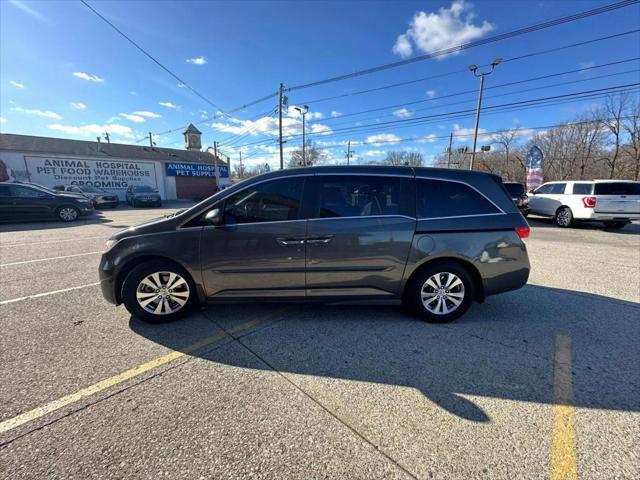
(496, 38)
(431, 77)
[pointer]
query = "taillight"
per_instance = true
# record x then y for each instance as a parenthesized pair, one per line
(523, 232)
(589, 202)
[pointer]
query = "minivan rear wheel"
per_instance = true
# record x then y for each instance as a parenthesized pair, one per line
(440, 293)
(158, 291)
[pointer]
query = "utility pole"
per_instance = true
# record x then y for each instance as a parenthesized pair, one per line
(106, 135)
(449, 151)
(241, 170)
(215, 164)
(150, 139)
(304, 143)
(474, 69)
(348, 151)
(280, 125)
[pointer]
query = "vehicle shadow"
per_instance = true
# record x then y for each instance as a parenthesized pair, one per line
(98, 217)
(544, 222)
(502, 349)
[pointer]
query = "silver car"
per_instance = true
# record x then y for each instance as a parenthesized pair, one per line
(434, 239)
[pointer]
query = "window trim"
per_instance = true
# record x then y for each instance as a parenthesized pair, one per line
(500, 212)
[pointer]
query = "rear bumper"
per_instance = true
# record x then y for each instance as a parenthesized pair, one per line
(615, 216)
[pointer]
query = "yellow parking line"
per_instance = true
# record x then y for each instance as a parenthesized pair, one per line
(564, 465)
(124, 376)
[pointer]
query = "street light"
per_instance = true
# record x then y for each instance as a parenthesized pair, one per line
(474, 69)
(303, 111)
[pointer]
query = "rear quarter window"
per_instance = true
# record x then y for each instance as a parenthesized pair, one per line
(515, 189)
(438, 198)
(582, 188)
(617, 188)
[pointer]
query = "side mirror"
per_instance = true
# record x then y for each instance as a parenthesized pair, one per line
(214, 216)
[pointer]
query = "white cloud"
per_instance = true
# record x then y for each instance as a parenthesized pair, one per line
(335, 113)
(446, 28)
(293, 113)
(147, 114)
(431, 138)
(197, 60)
(586, 66)
(466, 134)
(382, 138)
(402, 113)
(374, 153)
(3, 120)
(168, 105)
(39, 113)
(268, 126)
(182, 85)
(133, 118)
(431, 93)
(78, 106)
(17, 84)
(30, 11)
(133, 93)
(320, 129)
(89, 77)
(94, 129)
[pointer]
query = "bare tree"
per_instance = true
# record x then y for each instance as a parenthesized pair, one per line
(631, 126)
(507, 139)
(312, 156)
(404, 157)
(610, 115)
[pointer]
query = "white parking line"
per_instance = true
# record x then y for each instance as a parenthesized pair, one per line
(20, 244)
(50, 258)
(37, 295)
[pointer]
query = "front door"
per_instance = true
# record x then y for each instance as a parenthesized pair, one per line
(359, 235)
(30, 203)
(260, 248)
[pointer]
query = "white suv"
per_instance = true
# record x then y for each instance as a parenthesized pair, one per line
(614, 202)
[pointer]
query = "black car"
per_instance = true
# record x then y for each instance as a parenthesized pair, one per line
(433, 239)
(138, 195)
(519, 196)
(100, 198)
(21, 201)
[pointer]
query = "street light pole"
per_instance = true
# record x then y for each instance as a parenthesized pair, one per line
(303, 112)
(474, 70)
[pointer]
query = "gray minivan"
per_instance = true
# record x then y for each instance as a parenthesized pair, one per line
(433, 239)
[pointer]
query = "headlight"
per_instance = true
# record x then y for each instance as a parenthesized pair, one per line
(110, 244)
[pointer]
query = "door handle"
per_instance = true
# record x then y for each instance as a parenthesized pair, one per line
(320, 240)
(288, 242)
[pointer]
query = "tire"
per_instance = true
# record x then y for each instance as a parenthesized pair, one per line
(142, 281)
(423, 284)
(564, 218)
(615, 225)
(133, 203)
(68, 213)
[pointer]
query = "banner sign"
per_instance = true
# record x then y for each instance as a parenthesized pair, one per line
(195, 170)
(113, 176)
(535, 168)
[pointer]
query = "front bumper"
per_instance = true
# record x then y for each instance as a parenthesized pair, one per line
(107, 280)
(106, 203)
(88, 210)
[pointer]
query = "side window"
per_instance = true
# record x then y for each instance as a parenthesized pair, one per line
(24, 192)
(557, 188)
(543, 189)
(582, 188)
(358, 196)
(437, 198)
(270, 201)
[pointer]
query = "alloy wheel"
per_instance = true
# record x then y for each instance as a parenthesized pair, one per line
(442, 293)
(563, 217)
(162, 293)
(68, 214)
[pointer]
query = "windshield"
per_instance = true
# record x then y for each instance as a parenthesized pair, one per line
(144, 189)
(515, 189)
(617, 188)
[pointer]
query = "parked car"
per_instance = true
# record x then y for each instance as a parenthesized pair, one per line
(519, 196)
(99, 197)
(435, 239)
(613, 202)
(26, 201)
(138, 195)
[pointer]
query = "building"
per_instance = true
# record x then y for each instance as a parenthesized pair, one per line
(176, 174)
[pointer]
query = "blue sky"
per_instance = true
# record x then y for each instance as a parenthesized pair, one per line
(66, 73)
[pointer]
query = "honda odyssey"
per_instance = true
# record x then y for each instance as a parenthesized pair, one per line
(433, 239)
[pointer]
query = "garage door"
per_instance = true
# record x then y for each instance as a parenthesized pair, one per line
(195, 188)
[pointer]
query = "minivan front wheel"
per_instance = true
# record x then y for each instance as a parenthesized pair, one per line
(440, 293)
(158, 291)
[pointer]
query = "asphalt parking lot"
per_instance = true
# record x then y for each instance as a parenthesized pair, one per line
(543, 382)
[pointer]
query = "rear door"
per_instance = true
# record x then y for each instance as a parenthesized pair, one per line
(30, 202)
(359, 234)
(617, 198)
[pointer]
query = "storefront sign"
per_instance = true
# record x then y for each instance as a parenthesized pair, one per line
(113, 176)
(195, 170)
